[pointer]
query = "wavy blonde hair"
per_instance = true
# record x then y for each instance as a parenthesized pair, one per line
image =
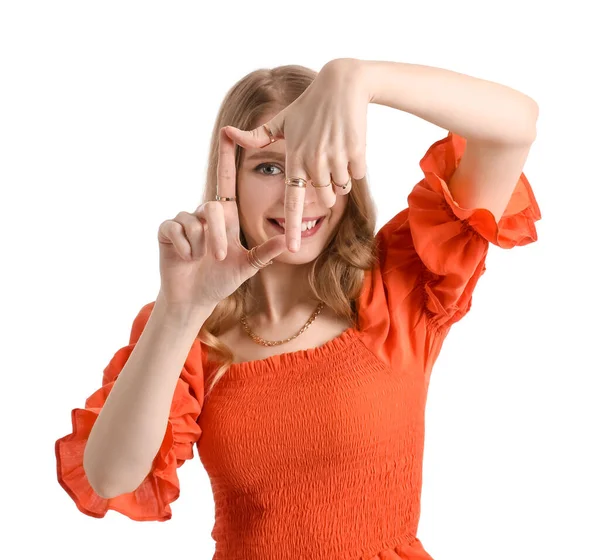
(337, 274)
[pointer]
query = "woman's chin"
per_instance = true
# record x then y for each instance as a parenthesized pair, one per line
(307, 253)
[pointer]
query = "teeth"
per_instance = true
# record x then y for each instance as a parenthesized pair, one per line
(305, 225)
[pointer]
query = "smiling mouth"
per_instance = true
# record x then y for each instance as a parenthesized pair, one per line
(276, 222)
(305, 233)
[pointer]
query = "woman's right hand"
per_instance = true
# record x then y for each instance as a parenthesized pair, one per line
(191, 274)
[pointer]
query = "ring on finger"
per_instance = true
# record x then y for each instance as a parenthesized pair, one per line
(296, 182)
(345, 186)
(255, 261)
(271, 137)
(321, 186)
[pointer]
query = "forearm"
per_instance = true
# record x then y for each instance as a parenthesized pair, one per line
(470, 107)
(131, 426)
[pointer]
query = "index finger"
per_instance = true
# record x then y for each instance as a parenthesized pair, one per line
(294, 206)
(226, 166)
(226, 180)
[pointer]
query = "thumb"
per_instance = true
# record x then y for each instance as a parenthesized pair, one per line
(256, 138)
(269, 250)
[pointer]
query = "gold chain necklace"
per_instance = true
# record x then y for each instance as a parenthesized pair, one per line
(264, 342)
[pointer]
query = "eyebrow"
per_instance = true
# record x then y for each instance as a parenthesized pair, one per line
(266, 154)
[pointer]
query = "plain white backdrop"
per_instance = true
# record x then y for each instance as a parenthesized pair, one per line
(105, 117)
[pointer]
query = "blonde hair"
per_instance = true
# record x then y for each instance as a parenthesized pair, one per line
(337, 274)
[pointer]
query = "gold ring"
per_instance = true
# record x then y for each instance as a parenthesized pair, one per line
(342, 186)
(271, 137)
(296, 182)
(321, 186)
(255, 261)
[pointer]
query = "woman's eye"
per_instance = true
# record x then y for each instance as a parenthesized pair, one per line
(265, 166)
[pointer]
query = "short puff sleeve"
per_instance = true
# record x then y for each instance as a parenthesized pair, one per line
(150, 501)
(452, 242)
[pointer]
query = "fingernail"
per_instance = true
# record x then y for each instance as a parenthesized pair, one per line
(294, 246)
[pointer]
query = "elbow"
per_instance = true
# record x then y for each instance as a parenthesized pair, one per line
(100, 488)
(103, 485)
(98, 483)
(104, 489)
(104, 492)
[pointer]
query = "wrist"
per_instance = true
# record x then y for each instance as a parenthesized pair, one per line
(182, 314)
(364, 72)
(353, 72)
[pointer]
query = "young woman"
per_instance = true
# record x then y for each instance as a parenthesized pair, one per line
(302, 375)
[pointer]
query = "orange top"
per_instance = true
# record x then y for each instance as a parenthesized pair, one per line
(318, 453)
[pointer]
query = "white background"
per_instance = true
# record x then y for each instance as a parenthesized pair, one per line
(105, 117)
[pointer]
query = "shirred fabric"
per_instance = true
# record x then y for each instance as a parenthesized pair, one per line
(318, 453)
(150, 502)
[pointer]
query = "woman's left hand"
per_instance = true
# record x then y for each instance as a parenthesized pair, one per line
(325, 133)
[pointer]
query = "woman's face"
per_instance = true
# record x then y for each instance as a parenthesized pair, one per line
(261, 195)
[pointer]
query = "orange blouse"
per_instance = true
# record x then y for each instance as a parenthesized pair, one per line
(318, 453)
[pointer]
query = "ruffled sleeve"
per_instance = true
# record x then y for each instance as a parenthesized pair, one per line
(432, 254)
(150, 501)
(452, 242)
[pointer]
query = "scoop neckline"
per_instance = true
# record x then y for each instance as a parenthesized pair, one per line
(296, 359)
